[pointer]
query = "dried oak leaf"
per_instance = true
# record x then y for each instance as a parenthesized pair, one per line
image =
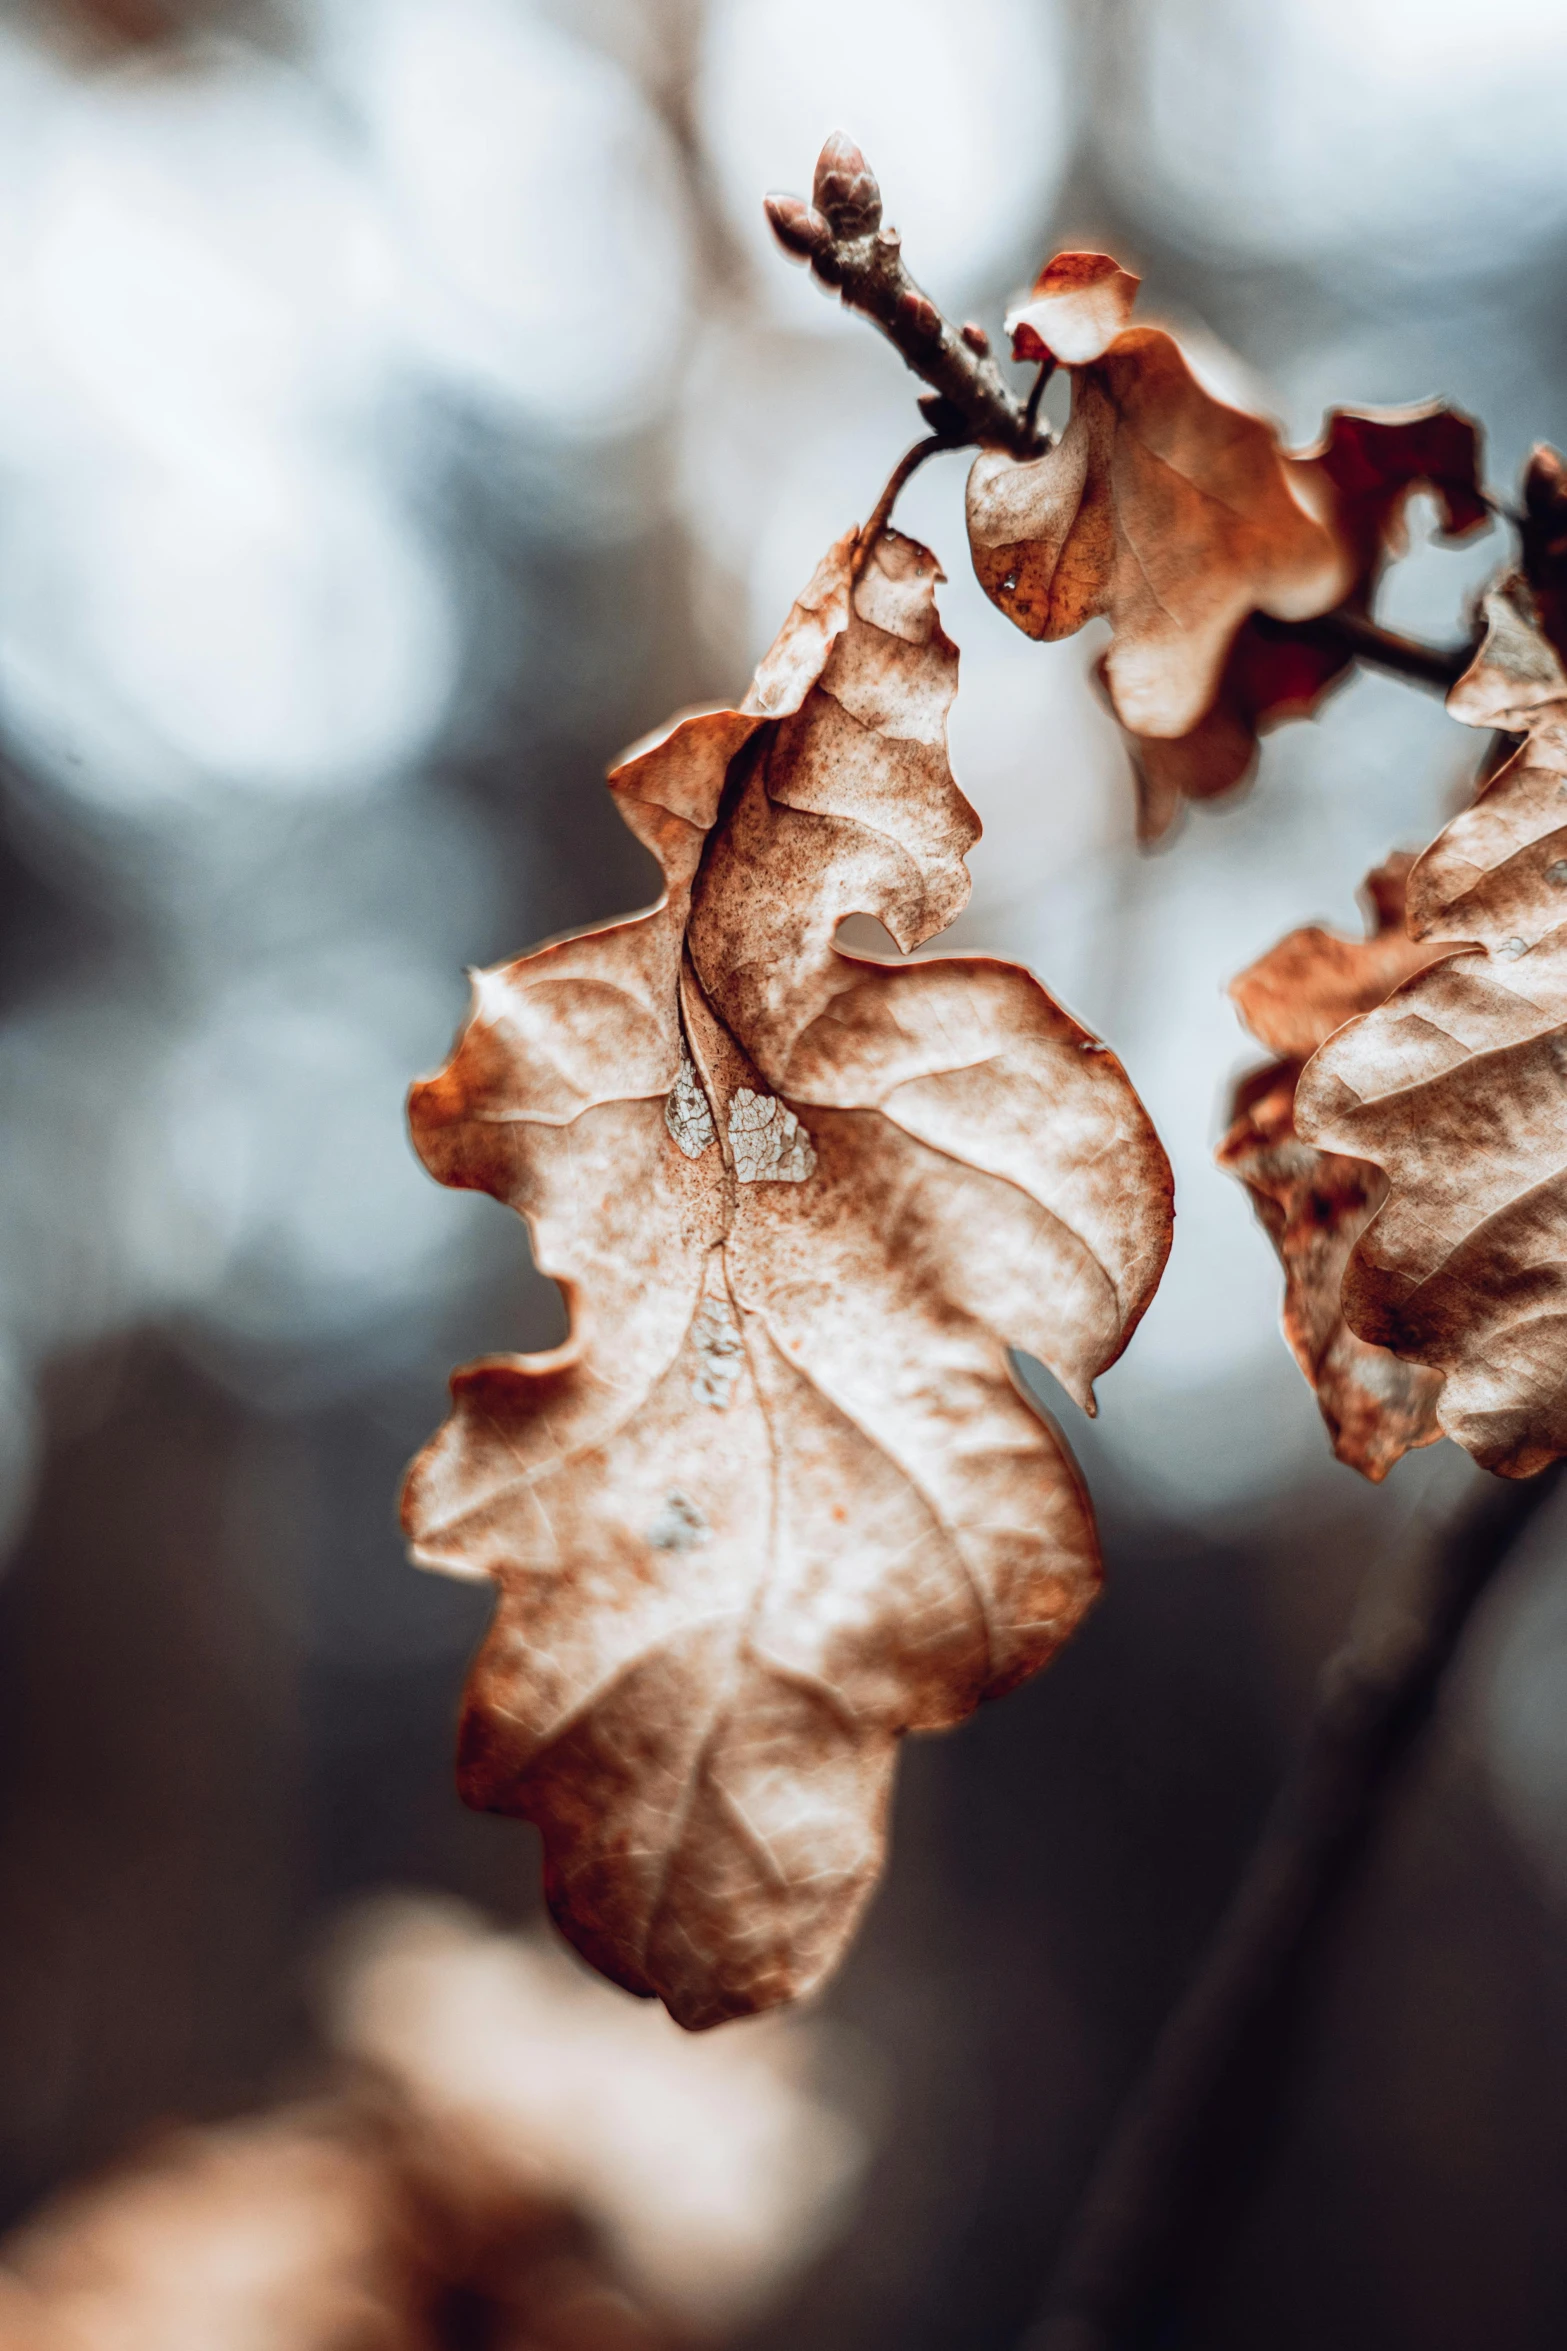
(777, 1500)
(1189, 526)
(1456, 1087)
(1370, 464)
(1314, 1205)
(1163, 509)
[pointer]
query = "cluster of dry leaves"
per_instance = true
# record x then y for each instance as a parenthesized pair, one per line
(778, 1499)
(504, 2153)
(1404, 1150)
(1185, 523)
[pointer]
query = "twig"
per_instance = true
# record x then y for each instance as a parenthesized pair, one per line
(1355, 634)
(840, 234)
(881, 513)
(1187, 2128)
(1047, 368)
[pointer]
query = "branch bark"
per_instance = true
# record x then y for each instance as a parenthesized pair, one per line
(1188, 2127)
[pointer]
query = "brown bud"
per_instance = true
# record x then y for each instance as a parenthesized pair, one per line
(917, 312)
(799, 228)
(975, 337)
(846, 189)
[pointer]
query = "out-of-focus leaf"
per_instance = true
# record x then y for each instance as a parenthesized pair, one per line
(288, 2233)
(503, 2152)
(1294, 997)
(708, 2172)
(778, 1499)
(1456, 1087)
(1314, 1205)
(1370, 465)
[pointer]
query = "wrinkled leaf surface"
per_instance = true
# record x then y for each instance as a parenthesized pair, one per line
(1166, 511)
(778, 1499)
(1456, 1087)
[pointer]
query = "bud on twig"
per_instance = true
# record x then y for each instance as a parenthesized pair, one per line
(799, 228)
(845, 190)
(918, 313)
(849, 247)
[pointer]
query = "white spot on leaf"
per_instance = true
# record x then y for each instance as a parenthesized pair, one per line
(686, 1111)
(770, 1145)
(719, 1351)
(680, 1524)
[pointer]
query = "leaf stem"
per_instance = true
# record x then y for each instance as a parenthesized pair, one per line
(840, 234)
(881, 513)
(1365, 640)
(1047, 368)
(1190, 2126)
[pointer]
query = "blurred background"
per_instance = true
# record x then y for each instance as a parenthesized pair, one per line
(401, 408)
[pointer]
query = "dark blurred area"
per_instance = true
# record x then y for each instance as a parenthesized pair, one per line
(400, 410)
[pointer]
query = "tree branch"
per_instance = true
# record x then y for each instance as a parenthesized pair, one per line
(1190, 2125)
(840, 234)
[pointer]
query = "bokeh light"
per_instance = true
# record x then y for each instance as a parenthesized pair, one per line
(402, 405)
(1382, 138)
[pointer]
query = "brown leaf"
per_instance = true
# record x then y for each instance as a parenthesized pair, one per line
(1166, 511)
(1294, 997)
(286, 2233)
(1370, 465)
(1206, 545)
(1375, 458)
(1266, 680)
(502, 2151)
(707, 2173)
(349, 2222)
(1080, 303)
(778, 1499)
(1454, 1086)
(1314, 1205)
